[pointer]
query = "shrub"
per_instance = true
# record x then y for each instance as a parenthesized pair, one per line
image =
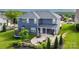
(61, 40)
(48, 43)
(24, 34)
(39, 46)
(42, 45)
(31, 45)
(17, 44)
(77, 27)
(4, 27)
(56, 43)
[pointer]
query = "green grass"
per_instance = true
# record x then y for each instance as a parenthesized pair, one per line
(71, 41)
(6, 39)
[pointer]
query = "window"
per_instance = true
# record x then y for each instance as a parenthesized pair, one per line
(23, 20)
(35, 21)
(27, 20)
(33, 29)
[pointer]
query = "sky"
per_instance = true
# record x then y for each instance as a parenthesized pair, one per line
(53, 10)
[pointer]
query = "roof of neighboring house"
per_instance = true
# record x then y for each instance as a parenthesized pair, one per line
(2, 20)
(40, 14)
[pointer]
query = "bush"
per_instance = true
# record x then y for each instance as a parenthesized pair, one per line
(77, 27)
(24, 34)
(42, 45)
(17, 44)
(39, 46)
(48, 43)
(4, 27)
(61, 41)
(56, 43)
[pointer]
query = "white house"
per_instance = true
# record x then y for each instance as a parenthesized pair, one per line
(77, 16)
(2, 21)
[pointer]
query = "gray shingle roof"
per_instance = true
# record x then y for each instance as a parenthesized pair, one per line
(29, 15)
(44, 14)
(40, 14)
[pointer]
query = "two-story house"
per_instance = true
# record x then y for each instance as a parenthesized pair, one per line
(3, 21)
(40, 22)
(77, 16)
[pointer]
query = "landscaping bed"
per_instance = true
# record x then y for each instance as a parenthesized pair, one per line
(7, 39)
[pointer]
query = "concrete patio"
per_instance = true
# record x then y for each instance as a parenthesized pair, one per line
(43, 37)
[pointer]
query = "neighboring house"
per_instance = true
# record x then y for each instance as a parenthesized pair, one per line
(2, 21)
(40, 22)
(77, 16)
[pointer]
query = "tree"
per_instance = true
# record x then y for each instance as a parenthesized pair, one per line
(24, 34)
(65, 18)
(48, 43)
(4, 27)
(77, 27)
(61, 40)
(12, 15)
(56, 43)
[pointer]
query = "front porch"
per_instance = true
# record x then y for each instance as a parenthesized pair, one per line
(45, 30)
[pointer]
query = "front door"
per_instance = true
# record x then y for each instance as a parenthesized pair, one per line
(44, 30)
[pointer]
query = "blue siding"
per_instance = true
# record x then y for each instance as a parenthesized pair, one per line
(27, 25)
(45, 21)
(20, 23)
(31, 23)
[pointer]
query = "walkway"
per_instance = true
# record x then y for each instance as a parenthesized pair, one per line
(43, 37)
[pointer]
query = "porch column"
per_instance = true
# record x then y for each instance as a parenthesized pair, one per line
(46, 30)
(38, 32)
(53, 31)
(41, 30)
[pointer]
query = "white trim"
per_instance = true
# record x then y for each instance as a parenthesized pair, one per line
(35, 21)
(27, 20)
(41, 30)
(46, 30)
(36, 15)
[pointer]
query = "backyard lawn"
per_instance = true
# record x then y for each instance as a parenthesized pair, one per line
(71, 40)
(6, 39)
